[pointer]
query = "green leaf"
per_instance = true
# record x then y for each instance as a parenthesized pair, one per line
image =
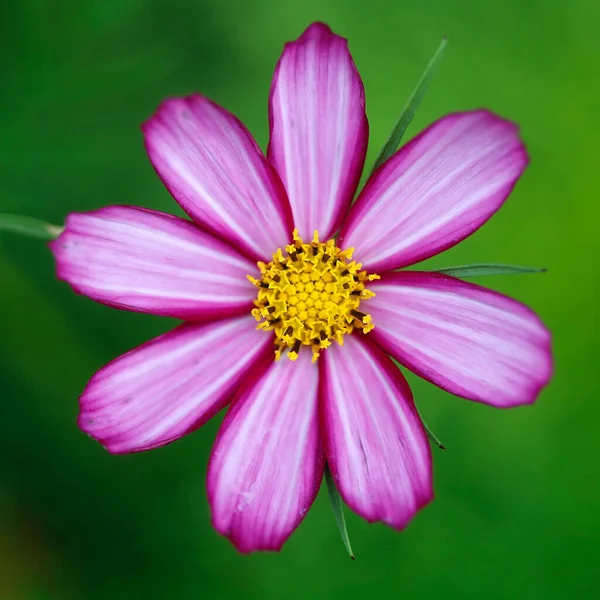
(477, 270)
(432, 437)
(29, 226)
(410, 107)
(338, 511)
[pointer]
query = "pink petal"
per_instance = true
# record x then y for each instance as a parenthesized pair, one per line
(267, 463)
(319, 128)
(213, 167)
(145, 261)
(375, 444)
(170, 385)
(438, 189)
(464, 338)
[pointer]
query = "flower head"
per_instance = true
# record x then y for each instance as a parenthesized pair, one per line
(259, 277)
(311, 296)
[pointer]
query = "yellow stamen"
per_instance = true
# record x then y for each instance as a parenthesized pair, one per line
(311, 296)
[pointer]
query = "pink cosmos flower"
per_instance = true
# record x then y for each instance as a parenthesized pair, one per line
(344, 402)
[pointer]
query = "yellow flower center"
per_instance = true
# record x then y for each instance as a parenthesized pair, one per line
(311, 296)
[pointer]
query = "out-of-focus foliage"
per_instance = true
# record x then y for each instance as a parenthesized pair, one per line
(518, 493)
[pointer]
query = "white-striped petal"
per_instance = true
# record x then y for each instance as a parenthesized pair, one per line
(466, 339)
(438, 189)
(267, 463)
(319, 128)
(375, 443)
(171, 385)
(213, 167)
(141, 260)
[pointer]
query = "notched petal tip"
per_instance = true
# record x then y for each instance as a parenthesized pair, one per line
(511, 128)
(183, 105)
(242, 545)
(61, 246)
(318, 29)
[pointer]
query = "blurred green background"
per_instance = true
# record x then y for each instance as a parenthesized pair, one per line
(518, 493)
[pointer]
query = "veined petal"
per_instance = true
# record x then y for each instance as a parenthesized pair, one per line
(213, 167)
(375, 444)
(319, 128)
(141, 260)
(438, 189)
(267, 463)
(468, 340)
(170, 385)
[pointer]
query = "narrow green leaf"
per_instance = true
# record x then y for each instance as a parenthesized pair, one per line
(478, 270)
(432, 437)
(410, 108)
(29, 226)
(338, 511)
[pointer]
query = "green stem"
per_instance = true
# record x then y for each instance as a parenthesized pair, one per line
(29, 226)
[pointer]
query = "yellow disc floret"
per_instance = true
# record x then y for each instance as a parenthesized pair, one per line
(311, 295)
